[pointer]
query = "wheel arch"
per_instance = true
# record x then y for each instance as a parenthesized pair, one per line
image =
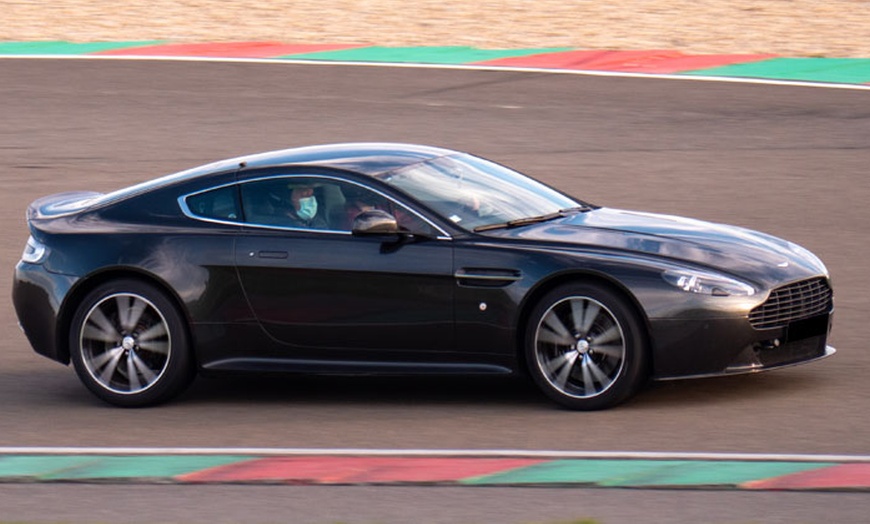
(84, 286)
(571, 277)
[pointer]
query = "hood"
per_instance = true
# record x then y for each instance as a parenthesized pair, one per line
(744, 253)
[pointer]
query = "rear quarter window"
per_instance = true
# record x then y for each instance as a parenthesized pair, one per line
(217, 204)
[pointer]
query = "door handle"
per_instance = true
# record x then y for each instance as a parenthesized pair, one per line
(273, 254)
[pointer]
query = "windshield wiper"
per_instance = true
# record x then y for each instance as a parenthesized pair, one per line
(533, 220)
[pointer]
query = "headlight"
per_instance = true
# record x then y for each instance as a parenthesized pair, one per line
(707, 283)
(34, 251)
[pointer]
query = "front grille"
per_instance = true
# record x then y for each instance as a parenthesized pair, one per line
(797, 301)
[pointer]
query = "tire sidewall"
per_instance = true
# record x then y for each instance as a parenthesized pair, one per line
(179, 369)
(635, 364)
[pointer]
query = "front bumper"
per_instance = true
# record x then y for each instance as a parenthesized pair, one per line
(793, 354)
(690, 349)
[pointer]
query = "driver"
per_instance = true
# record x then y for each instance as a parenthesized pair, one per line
(303, 211)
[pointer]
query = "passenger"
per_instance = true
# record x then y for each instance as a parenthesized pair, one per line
(359, 201)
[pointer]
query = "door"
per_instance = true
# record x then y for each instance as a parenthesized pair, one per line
(328, 294)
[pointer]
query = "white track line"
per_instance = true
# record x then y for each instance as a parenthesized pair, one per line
(617, 74)
(479, 453)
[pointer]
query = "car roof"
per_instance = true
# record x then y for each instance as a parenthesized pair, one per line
(364, 158)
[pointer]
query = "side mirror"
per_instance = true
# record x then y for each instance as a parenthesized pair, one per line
(375, 222)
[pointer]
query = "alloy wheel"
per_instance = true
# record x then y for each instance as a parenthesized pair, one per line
(125, 343)
(580, 347)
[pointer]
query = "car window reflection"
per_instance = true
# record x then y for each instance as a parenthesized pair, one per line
(317, 203)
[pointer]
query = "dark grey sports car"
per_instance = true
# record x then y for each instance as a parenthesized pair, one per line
(389, 258)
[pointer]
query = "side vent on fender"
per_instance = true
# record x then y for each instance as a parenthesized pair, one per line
(486, 277)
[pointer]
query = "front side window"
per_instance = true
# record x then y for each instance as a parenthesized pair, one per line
(319, 203)
(297, 202)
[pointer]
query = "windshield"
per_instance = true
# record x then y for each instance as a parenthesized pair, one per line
(474, 193)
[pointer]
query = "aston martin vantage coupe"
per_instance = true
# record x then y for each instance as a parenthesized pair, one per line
(402, 259)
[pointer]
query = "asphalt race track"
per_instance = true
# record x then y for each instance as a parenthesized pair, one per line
(791, 161)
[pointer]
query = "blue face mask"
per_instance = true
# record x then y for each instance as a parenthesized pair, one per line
(307, 208)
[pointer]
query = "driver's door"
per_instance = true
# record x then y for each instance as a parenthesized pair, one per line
(328, 294)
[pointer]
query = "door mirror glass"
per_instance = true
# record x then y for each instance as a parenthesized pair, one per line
(375, 222)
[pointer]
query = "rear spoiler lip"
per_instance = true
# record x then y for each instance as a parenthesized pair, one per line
(61, 204)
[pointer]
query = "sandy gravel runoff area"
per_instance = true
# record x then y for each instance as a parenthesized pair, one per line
(832, 28)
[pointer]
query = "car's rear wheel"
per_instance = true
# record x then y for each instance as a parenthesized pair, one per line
(585, 347)
(129, 346)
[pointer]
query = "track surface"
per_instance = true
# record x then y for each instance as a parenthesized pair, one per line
(790, 161)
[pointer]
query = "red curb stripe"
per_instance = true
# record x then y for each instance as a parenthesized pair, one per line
(661, 61)
(844, 476)
(227, 49)
(594, 60)
(347, 470)
(691, 63)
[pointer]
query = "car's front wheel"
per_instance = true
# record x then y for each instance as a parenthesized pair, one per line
(585, 346)
(129, 345)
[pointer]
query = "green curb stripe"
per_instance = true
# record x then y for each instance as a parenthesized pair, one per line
(145, 467)
(622, 473)
(66, 48)
(37, 467)
(838, 70)
(719, 473)
(108, 467)
(576, 472)
(427, 55)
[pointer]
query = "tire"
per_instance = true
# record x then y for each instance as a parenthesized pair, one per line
(585, 347)
(129, 345)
